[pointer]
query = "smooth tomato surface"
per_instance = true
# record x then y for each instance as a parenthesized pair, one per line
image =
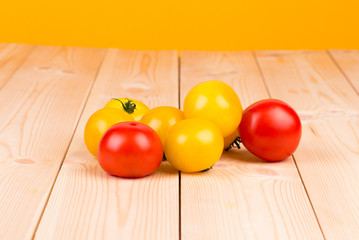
(98, 124)
(130, 150)
(216, 102)
(270, 129)
(161, 119)
(193, 145)
(230, 139)
(130, 106)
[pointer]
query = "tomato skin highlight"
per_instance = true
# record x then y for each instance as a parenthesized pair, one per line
(130, 150)
(216, 102)
(270, 129)
(193, 145)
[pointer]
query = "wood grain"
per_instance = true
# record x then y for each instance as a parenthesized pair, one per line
(242, 197)
(327, 155)
(309, 81)
(87, 203)
(328, 161)
(348, 62)
(11, 57)
(40, 107)
(237, 69)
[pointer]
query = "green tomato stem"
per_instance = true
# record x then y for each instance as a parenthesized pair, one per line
(129, 106)
(234, 144)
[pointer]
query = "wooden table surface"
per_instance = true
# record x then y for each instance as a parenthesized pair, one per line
(51, 187)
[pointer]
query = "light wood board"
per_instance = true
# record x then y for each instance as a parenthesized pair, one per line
(327, 155)
(11, 57)
(309, 81)
(229, 67)
(51, 187)
(328, 160)
(242, 197)
(86, 202)
(40, 107)
(348, 62)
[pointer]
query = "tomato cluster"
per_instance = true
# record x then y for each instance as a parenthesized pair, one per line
(130, 139)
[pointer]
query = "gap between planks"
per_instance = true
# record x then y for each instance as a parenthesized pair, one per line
(340, 76)
(179, 173)
(16, 58)
(30, 121)
(310, 200)
(263, 78)
(72, 137)
(233, 68)
(148, 71)
(294, 160)
(342, 71)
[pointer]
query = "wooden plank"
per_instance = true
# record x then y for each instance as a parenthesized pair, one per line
(242, 197)
(327, 156)
(229, 67)
(11, 57)
(309, 81)
(328, 161)
(40, 107)
(87, 203)
(348, 62)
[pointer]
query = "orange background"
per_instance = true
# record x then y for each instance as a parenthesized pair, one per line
(186, 24)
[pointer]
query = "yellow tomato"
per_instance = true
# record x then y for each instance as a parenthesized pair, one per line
(130, 106)
(161, 119)
(98, 124)
(217, 102)
(232, 139)
(193, 145)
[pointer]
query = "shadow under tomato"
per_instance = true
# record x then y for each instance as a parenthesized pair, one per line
(242, 155)
(166, 168)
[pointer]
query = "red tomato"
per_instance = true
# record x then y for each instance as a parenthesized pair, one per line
(270, 129)
(130, 150)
